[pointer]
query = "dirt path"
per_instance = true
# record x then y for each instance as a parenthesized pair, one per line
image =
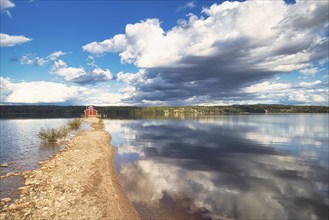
(78, 183)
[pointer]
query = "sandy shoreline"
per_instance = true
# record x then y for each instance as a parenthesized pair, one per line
(78, 183)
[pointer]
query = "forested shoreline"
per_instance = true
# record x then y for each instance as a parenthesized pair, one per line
(126, 112)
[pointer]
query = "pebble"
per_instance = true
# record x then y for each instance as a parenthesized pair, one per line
(27, 213)
(57, 204)
(6, 199)
(43, 168)
(18, 206)
(10, 174)
(23, 188)
(30, 182)
(4, 165)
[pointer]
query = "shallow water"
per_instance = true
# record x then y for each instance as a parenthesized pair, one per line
(234, 167)
(22, 149)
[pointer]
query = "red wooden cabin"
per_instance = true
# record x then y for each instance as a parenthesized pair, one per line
(90, 112)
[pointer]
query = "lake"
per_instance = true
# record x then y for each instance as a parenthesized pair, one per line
(225, 167)
(218, 167)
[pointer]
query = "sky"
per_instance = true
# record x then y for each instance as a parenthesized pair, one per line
(155, 53)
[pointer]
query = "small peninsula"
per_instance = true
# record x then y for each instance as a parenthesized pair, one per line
(78, 183)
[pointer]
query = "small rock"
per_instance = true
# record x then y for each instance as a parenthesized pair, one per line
(57, 204)
(6, 199)
(18, 206)
(12, 206)
(23, 188)
(4, 165)
(27, 213)
(3, 216)
(10, 174)
(43, 203)
(30, 182)
(32, 204)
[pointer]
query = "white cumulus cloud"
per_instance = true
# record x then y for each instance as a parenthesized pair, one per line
(307, 96)
(309, 84)
(309, 71)
(36, 92)
(315, 92)
(4, 88)
(187, 5)
(266, 87)
(117, 43)
(11, 40)
(79, 74)
(54, 56)
(31, 60)
(5, 5)
(231, 45)
(50, 92)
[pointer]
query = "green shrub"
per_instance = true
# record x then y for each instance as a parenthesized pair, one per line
(52, 134)
(74, 124)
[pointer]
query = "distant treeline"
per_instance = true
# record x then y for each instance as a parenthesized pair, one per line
(126, 112)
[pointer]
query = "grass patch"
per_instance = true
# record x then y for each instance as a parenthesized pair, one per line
(64, 131)
(74, 124)
(52, 135)
(101, 123)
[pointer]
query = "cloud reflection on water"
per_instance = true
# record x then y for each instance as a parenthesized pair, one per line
(226, 166)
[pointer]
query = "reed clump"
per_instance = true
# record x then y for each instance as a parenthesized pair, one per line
(74, 124)
(101, 123)
(52, 135)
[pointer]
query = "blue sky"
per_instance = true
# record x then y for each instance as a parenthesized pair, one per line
(164, 52)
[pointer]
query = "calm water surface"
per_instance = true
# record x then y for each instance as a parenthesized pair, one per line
(227, 167)
(21, 146)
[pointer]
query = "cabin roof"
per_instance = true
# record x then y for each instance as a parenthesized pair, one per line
(90, 108)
